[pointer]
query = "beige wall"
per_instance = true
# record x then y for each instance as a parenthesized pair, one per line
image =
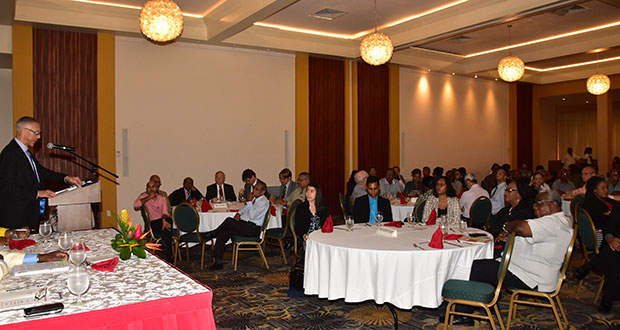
(452, 121)
(192, 109)
(548, 135)
(6, 106)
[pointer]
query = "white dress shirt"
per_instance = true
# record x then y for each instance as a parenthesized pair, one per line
(254, 210)
(393, 188)
(497, 197)
(469, 196)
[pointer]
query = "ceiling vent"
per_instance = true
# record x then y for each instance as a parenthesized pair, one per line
(328, 14)
(570, 10)
(459, 39)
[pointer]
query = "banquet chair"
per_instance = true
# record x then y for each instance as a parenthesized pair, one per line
(187, 220)
(549, 296)
(253, 243)
(589, 246)
(478, 294)
(146, 218)
(480, 213)
(343, 205)
(296, 241)
(575, 205)
(281, 233)
(418, 210)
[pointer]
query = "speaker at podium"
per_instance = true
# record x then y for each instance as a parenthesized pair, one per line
(73, 206)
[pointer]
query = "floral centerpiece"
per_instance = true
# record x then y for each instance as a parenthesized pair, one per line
(131, 239)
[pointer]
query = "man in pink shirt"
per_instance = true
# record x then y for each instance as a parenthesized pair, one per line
(157, 207)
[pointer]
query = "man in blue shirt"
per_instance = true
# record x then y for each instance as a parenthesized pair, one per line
(366, 207)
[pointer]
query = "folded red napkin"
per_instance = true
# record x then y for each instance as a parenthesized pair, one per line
(403, 200)
(206, 207)
(273, 210)
(498, 246)
(21, 244)
(436, 241)
(328, 226)
(432, 218)
(452, 237)
(85, 247)
(105, 266)
(394, 224)
(234, 210)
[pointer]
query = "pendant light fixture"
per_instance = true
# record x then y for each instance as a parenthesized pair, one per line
(510, 68)
(376, 48)
(598, 84)
(161, 20)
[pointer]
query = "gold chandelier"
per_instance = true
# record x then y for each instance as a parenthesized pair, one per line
(510, 68)
(598, 84)
(376, 48)
(161, 20)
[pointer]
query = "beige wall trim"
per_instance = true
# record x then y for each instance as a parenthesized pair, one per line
(23, 90)
(302, 114)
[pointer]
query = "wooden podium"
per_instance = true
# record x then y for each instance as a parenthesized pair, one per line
(74, 210)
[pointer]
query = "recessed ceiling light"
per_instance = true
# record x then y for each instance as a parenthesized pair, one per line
(563, 99)
(476, 76)
(587, 101)
(453, 73)
(429, 70)
(495, 79)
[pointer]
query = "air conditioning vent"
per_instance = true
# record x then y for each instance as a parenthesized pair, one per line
(570, 10)
(328, 14)
(459, 39)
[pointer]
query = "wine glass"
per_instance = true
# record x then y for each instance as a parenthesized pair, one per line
(45, 229)
(410, 219)
(65, 241)
(443, 224)
(77, 254)
(463, 226)
(348, 221)
(78, 282)
(379, 218)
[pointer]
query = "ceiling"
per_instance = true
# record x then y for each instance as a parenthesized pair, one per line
(460, 36)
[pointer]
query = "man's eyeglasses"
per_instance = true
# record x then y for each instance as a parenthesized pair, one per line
(541, 203)
(511, 190)
(33, 131)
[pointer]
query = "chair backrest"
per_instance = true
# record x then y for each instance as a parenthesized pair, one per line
(296, 240)
(147, 221)
(343, 207)
(575, 205)
(587, 232)
(418, 211)
(503, 265)
(186, 218)
(480, 212)
(263, 228)
(289, 214)
(566, 263)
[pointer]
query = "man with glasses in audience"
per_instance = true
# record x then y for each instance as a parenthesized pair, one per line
(158, 209)
(220, 190)
(288, 186)
(587, 172)
(22, 179)
(360, 184)
(303, 180)
(497, 194)
(562, 185)
(614, 182)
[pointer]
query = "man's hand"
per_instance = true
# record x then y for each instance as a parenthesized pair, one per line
(74, 180)
(272, 199)
(53, 256)
(165, 225)
(46, 194)
(25, 233)
(502, 237)
(614, 243)
(237, 217)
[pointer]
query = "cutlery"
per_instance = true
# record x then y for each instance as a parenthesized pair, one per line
(419, 247)
(453, 244)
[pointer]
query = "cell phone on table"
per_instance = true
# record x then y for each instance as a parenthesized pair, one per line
(477, 235)
(43, 310)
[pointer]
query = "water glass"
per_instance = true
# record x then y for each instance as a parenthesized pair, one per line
(45, 229)
(443, 224)
(379, 218)
(78, 282)
(65, 241)
(410, 219)
(77, 254)
(463, 226)
(348, 221)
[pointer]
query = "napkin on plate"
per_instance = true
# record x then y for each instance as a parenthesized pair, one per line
(452, 237)
(396, 224)
(21, 244)
(403, 200)
(206, 207)
(105, 266)
(436, 241)
(328, 226)
(432, 218)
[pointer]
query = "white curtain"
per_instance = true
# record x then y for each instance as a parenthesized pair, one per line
(577, 129)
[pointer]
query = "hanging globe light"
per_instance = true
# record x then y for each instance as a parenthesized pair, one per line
(376, 49)
(161, 20)
(598, 84)
(511, 68)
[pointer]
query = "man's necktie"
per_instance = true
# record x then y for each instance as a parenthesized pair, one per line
(283, 193)
(221, 192)
(493, 191)
(34, 166)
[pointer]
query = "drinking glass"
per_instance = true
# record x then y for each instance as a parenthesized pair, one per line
(65, 241)
(348, 221)
(443, 224)
(77, 254)
(379, 218)
(410, 219)
(463, 226)
(78, 282)
(45, 229)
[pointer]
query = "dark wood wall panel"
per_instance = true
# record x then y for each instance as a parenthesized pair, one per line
(524, 125)
(373, 117)
(65, 97)
(326, 93)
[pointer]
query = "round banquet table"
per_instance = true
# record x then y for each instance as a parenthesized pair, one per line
(212, 219)
(400, 211)
(361, 265)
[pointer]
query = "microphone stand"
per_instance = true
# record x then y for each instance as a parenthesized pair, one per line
(94, 166)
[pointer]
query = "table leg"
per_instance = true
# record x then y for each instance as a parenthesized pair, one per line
(393, 310)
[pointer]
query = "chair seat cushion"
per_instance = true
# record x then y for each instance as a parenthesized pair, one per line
(468, 290)
(238, 239)
(274, 232)
(189, 238)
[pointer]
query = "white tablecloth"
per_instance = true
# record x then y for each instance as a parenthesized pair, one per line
(566, 207)
(361, 265)
(212, 219)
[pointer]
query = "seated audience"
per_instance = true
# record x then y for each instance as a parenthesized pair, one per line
(456, 185)
(569, 159)
(157, 207)
(288, 186)
(220, 190)
(460, 178)
(367, 207)
(390, 186)
(437, 172)
(587, 155)
(538, 253)
(473, 192)
(538, 182)
(426, 172)
(187, 193)
(614, 182)
(587, 172)
(598, 205)
(311, 214)
(303, 180)
(562, 184)
(249, 178)
(515, 175)
(360, 185)
(525, 172)
(9, 259)
(414, 187)
(497, 194)
(351, 184)
(372, 171)
(519, 206)
(397, 176)
(489, 181)
(443, 201)
(155, 178)
(247, 222)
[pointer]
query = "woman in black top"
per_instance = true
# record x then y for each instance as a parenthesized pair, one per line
(597, 203)
(519, 206)
(311, 214)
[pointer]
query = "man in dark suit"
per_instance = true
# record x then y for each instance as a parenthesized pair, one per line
(366, 207)
(249, 177)
(220, 190)
(187, 193)
(22, 178)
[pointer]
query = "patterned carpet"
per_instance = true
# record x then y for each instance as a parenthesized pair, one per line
(256, 298)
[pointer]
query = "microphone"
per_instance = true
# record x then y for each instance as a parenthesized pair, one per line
(59, 146)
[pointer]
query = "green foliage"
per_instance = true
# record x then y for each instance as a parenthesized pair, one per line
(125, 243)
